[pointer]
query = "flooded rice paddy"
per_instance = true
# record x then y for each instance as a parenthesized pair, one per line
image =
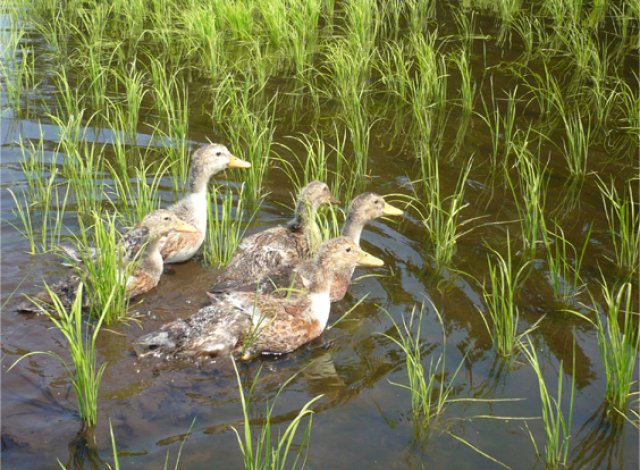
(539, 99)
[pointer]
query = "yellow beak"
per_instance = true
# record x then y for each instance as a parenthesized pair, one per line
(235, 162)
(391, 210)
(368, 260)
(184, 227)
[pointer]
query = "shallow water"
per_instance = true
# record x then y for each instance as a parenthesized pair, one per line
(362, 419)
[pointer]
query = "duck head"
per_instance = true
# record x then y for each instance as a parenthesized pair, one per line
(209, 160)
(160, 222)
(364, 208)
(336, 255)
(310, 198)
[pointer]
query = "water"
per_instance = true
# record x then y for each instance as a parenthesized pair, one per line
(362, 420)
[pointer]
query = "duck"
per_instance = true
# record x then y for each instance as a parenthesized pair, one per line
(363, 209)
(142, 246)
(206, 161)
(277, 249)
(248, 324)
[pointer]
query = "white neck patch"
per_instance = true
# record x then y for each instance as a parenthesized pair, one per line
(320, 307)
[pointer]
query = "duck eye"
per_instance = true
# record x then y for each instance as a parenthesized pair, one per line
(348, 250)
(218, 154)
(166, 217)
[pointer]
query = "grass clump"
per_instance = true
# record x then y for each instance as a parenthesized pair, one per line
(82, 367)
(430, 390)
(557, 424)
(502, 317)
(225, 226)
(618, 342)
(623, 219)
(104, 267)
(267, 451)
(563, 272)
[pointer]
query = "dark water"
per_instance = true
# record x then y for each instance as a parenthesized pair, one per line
(362, 420)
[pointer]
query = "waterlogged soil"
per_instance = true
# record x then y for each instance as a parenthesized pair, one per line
(363, 419)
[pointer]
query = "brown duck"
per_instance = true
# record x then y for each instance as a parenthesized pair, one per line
(142, 244)
(363, 209)
(248, 324)
(278, 249)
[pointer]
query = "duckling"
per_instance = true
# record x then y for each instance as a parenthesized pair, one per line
(363, 209)
(279, 248)
(192, 208)
(142, 242)
(249, 324)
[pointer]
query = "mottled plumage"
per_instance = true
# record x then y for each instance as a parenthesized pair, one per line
(248, 324)
(295, 274)
(274, 250)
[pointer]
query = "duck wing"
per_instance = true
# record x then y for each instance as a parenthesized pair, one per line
(271, 253)
(214, 330)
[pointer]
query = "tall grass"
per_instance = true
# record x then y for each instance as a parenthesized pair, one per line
(564, 263)
(226, 225)
(618, 342)
(104, 267)
(264, 450)
(82, 367)
(42, 234)
(440, 214)
(557, 424)
(623, 220)
(503, 315)
(430, 388)
(531, 201)
(576, 144)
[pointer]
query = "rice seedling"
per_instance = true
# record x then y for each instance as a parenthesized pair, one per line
(258, 451)
(394, 68)
(205, 39)
(576, 144)
(419, 12)
(563, 272)
(361, 25)
(623, 220)
(42, 234)
(618, 342)
(103, 268)
(253, 132)
(467, 91)
(226, 225)
(503, 315)
(557, 423)
(440, 215)
(430, 85)
(82, 367)
(303, 21)
(501, 127)
(133, 82)
(430, 389)
(530, 204)
(135, 200)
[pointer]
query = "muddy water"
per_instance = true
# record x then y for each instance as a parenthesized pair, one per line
(362, 419)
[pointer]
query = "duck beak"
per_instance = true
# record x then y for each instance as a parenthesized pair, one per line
(391, 210)
(368, 260)
(235, 162)
(184, 227)
(334, 200)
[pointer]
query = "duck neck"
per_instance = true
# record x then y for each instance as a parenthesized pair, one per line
(304, 221)
(151, 259)
(319, 295)
(198, 180)
(352, 229)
